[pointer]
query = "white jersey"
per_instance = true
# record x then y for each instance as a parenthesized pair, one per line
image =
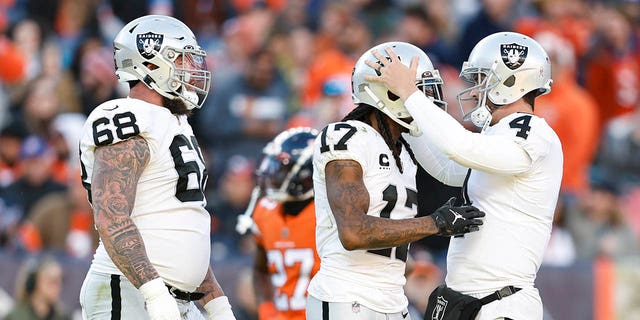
(373, 278)
(169, 205)
(516, 169)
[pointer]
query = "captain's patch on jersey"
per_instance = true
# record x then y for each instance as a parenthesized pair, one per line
(149, 44)
(513, 55)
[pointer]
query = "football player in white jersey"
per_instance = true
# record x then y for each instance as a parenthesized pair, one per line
(511, 169)
(145, 177)
(366, 202)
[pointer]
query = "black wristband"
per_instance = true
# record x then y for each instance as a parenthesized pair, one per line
(440, 221)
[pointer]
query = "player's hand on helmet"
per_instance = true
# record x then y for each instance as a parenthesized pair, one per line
(160, 304)
(397, 77)
(456, 221)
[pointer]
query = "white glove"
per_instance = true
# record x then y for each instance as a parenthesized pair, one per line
(219, 309)
(244, 220)
(160, 304)
(244, 224)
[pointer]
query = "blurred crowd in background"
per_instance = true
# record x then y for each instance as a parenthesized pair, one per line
(278, 64)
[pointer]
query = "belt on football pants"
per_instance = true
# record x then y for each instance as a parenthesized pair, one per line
(502, 293)
(183, 295)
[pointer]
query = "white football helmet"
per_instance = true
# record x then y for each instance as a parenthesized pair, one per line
(163, 53)
(377, 95)
(503, 67)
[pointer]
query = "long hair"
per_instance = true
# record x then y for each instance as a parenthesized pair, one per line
(361, 113)
(29, 276)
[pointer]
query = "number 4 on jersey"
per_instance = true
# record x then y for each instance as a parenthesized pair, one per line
(521, 123)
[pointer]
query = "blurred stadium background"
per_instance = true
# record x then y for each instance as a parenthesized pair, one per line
(283, 63)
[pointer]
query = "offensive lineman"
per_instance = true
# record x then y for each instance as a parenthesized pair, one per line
(145, 176)
(511, 171)
(366, 202)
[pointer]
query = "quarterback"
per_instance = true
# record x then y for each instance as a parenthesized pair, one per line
(511, 170)
(145, 175)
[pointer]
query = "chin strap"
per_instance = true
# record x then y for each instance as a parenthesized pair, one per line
(413, 130)
(191, 98)
(484, 111)
(379, 104)
(486, 123)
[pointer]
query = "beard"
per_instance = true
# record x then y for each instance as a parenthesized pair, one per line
(176, 106)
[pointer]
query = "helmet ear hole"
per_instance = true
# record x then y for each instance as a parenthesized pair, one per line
(151, 66)
(391, 96)
(510, 81)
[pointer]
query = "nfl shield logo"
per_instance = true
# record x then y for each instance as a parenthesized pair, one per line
(355, 307)
(513, 55)
(149, 44)
(441, 307)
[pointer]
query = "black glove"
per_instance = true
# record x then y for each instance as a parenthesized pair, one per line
(456, 221)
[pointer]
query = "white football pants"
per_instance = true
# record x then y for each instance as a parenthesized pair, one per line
(524, 304)
(113, 297)
(320, 310)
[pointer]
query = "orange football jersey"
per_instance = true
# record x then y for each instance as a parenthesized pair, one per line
(290, 244)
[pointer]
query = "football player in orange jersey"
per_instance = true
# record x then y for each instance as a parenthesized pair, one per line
(284, 226)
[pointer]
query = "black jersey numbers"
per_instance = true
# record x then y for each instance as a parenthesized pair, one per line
(192, 174)
(342, 143)
(84, 176)
(125, 127)
(521, 123)
(390, 195)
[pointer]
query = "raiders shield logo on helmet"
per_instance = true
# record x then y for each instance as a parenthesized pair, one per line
(440, 308)
(149, 44)
(513, 55)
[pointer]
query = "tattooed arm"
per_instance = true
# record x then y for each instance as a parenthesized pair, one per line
(214, 301)
(349, 201)
(117, 169)
(210, 287)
